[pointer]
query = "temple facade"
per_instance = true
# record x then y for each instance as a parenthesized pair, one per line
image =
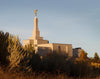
(43, 46)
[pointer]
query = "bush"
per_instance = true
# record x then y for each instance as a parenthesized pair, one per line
(4, 61)
(53, 63)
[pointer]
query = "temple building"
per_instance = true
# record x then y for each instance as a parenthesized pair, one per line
(43, 46)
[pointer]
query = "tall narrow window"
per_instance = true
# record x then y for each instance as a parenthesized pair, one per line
(59, 49)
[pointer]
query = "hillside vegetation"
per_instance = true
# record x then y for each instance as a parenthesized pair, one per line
(17, 62)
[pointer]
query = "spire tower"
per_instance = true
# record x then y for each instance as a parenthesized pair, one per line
(36, 32)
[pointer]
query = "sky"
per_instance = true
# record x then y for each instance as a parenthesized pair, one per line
(75, 22)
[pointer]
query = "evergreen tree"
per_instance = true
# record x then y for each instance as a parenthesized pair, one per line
(96, 57)
(83, 54)
(16, 52)
(3, 48)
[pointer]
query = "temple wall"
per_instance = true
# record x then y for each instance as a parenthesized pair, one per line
(60, 48)
(70, 51)
(46, 45)
(63, 48)
(26, 42)
(42, 41)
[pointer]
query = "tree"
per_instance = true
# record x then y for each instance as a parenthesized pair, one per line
(28, 61)
(29, 48)
(35, 62)
(3, 48)
(16, 52)
(83, 54)
(86, 55)
(96, 57)
(54, 62)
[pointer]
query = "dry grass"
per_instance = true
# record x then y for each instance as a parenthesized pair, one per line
(7, 75)
(40, 76)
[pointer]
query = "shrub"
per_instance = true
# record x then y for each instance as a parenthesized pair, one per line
(4, 61)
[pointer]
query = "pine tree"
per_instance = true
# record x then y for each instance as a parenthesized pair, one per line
(3, 48)
(96, 57)
(83, 54)
(16, 51)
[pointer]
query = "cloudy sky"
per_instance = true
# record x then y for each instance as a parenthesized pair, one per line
(75, 22)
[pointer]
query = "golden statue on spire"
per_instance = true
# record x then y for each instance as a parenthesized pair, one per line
(36, 12)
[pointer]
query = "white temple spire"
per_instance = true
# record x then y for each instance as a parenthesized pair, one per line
(36, 32)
